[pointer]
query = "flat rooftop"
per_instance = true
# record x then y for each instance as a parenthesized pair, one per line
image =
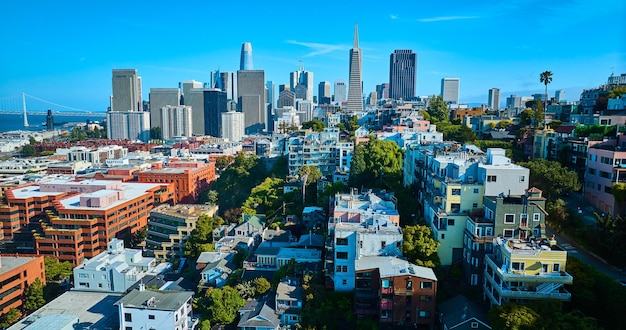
(94, 310)
(131, 190)
(12, 262)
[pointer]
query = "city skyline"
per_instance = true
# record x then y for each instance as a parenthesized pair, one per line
(68, 59)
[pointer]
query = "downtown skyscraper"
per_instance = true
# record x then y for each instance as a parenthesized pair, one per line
(402, 74)
(450, 90)
(126, 88)
(355, 82)
(245, 62)
(493, 102)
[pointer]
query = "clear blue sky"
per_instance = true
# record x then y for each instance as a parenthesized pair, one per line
(63, 51)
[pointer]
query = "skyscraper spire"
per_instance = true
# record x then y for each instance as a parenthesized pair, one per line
(245, 62)
(355, 83)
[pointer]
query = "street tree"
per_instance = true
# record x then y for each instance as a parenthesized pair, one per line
(261, 286)
(438, 109)
(12, 316)
(551, 177)
(316, 125)
(56, 270)
(223, 304)
(419, 246)
(512, 316)
(377, 163)
(33, 296)
(545, 78)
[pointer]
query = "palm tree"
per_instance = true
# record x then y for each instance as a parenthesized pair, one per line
(545, 78)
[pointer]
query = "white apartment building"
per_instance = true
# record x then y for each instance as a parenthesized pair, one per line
(233, 126)
(147, 309)
(320, 149)
(352, 241)
(94, 156)
(131, 125)
(115, 270)
(175, 121)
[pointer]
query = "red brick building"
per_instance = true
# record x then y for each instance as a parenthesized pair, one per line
(395, 292)
(16, 274)
(189, 178)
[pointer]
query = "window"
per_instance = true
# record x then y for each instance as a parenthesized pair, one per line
(474, 279)
(491, 178)
(456, 192)
(476, 190)
(522, 178)
(426, 297)
(508, 233)
(129, 328)
(151, 317)
(342, 255)
(450, 222)
(128, 317)
(592, 171)
(536, 217)
(385, 283)
(383, 244)
(344, 282)
(342, 241)
(475, 205)
(409, 284)
(426, 285)
(517, 266)
(474, 325)
(384, 314)
(455, 207)
(443, 236)
(509, 219)
(545, 267)
(605, 175)
(424, 314)
(556, 267)
(344, 269)
(83, 275)
(338, 269)
(489, 231)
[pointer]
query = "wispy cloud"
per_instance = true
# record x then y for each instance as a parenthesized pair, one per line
(392, 16)
(318, 48)
(445, 18)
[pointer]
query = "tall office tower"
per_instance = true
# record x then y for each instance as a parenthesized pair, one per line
(494, 99)
(215, 104)
(175, 121)
(232, 126)
(402, 74)
(382, 91)
(340, 91)
(187, 86)
(49, 121)
(323, 93)
(126, 90)
(270, 98)
(133, 125)
(355, 83)
(450, 90)
(305, 110)
(160, 97)
(229, 85)
(283, 87)
(195, 99)
(373, 98)
(513, 101)
(559, 95)
(286, 98)
(245, 63)
(302, 80)
(251, 92)
(216, 80)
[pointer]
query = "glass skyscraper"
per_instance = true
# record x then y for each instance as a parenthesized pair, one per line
(245, 62)
(402, 73)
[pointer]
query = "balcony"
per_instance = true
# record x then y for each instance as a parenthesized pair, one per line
(552, 291)
(509, 275)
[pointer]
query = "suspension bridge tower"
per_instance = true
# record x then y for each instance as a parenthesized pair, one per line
(24, 106)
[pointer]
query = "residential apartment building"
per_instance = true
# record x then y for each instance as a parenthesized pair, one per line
(510, 217)
(16, 274)
(352, 241)
(170, 226)
(606, 165)
(98, 155)
(395, 292)
(525, 271)
(189, 178)
(148, 309)
(289, 301)
(323, 150)
(73, 220)
(357, 208)
(115, 270)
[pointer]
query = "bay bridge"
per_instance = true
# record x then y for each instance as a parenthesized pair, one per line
(18, 105)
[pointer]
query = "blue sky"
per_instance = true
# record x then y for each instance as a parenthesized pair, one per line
(63, 51)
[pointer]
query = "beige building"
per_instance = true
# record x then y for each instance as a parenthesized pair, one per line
(170, 226)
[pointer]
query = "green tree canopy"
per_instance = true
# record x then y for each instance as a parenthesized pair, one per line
(551, 177)
(526, 117)
(223, 304)
(28, 151)
(222, 162)
(33, 296)
(234, 184)
(12, 316)
(312, 173)
(265, 197)
(511, 316)
(419, 246)
(459, 133)
(617, 92)
(377, 163)
(155, 133)
(56, 270)
(201, 238)
(316, 125)
(438, 109)
(261, 285)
